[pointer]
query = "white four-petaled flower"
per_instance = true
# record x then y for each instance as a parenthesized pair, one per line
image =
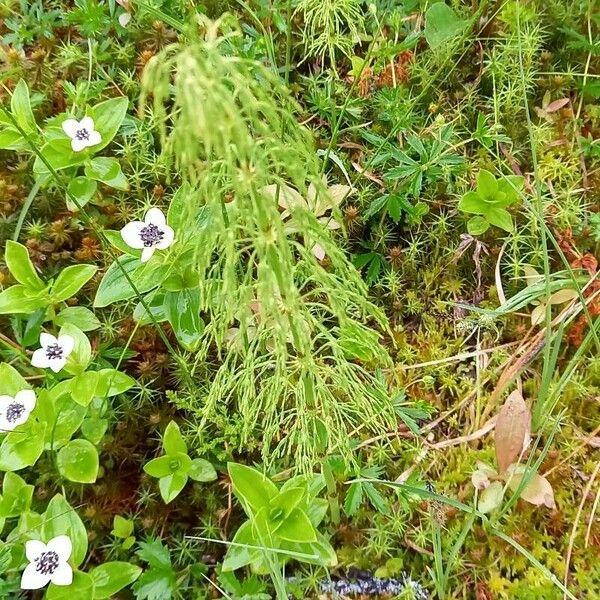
(15, 411)
(54, 352)
(47, 563)
(82, 133)
(148, 235)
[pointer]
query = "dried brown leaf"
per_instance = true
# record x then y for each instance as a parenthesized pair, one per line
(556, 105)
(512, 430)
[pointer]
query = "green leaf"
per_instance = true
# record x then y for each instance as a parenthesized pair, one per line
(59, 155)
(477, 225)
(78, 461)
(83, 387)
(287, 500)
(112, 382)
(93, 429)
(487, 186)
(500, 218)
(354, 497)
(81, 356)
(18, 299)
(82, 588)
(471, 203)
(20, 265)
(160, 467)
(159, 582)
(114, 286)
(202, 470)
(11, 381)
(16, 496)
(375, 498)
(61, 519)
(441, 25)
(251, 487)
(20, 107)
(33, 327)
(173, 442)
(11, 139)
(71, 280)
(511, 186)
(182, 309)
(114, 238)
(240, 555)
(62, 416)
(171, 485)
(108, 171)
(108, 116)
(376, 205)
(111, 577)
(122, 527)
(82, 189)
(154, 301)
(322, 550)
(181, 209)
(317, 510)
(23, 446)
(83, 318)
(297, 528)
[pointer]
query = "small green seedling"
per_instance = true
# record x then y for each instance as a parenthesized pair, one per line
(175, 467)
(489, 202)
(123, 529)
(283, 519)
(31, 293)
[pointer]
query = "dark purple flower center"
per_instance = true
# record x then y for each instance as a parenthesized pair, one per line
(82, 134)
(14, 412)
(46, 563)
(54, 351)
(151, 235)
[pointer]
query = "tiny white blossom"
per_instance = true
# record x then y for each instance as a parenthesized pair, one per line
(82, 133)
(47, 563)
(148, 235)
(54, 352)
(15, 411)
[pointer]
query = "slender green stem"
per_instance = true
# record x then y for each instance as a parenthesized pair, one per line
(440, 576)
(334, 506)
(35, 188)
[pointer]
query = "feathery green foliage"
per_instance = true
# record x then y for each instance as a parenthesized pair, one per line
(298, 323)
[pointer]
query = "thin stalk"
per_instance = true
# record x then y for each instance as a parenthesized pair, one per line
(25, 209)
(334, 505)
(440, 576)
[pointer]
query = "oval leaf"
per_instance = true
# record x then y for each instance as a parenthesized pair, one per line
(112, 577)
(78, 461)
(512, 430)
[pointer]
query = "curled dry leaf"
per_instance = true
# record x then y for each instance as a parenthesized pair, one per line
(481, 477)
(513, 427)
(538, 491)
(556, 105)
(562, 296)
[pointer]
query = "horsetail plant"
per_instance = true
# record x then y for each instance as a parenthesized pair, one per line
(300, 376)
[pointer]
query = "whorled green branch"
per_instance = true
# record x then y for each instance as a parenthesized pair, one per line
(292, 334)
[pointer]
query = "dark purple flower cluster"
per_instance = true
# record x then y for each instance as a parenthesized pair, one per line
(362, 584)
